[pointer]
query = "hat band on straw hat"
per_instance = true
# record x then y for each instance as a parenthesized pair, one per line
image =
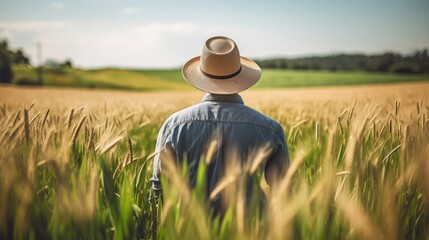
(220, 69)
(221, 77)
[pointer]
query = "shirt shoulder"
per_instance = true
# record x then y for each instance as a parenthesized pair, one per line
(232, 113)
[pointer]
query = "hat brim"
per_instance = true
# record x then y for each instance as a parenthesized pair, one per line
(249, 75)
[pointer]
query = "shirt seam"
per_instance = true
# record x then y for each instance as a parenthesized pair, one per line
(222, 101)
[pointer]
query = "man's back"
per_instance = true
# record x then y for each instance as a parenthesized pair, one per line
(221, 130)
(239, 132)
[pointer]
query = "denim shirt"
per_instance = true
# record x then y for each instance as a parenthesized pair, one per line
(239, 131)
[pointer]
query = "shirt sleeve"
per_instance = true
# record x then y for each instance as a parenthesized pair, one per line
(278, 163)
(159, 148)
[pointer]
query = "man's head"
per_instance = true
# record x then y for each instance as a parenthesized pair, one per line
(220, 69)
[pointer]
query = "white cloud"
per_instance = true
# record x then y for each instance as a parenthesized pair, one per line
(178, 28)
(31, 26)
(130, 10)
(151, 45)
(97, 45)
(57, 5)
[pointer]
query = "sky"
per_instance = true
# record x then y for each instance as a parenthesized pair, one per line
(165, 34)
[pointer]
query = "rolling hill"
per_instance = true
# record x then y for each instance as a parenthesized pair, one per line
(171, 79)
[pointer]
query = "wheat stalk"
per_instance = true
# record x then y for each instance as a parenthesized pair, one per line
(16, 118)
(77, 129)
(26, 126)
(69, 119)
(130, 146)
(109, 146)
(212, 151)
(45, 117)
(358, 218)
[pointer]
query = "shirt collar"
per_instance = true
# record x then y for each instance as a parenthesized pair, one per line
(233, 98)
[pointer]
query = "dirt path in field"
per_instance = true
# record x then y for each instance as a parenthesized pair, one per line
(310, 98)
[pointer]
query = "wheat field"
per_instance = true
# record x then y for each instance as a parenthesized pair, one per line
(75, 164)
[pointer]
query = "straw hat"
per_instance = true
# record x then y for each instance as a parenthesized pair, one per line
(220, 69)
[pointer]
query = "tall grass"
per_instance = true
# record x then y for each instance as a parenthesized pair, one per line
(359, 172)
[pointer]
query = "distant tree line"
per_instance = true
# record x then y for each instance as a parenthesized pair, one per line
(10, 57)
(418, 62)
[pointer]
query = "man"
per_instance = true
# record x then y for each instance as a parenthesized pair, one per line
(238, 131)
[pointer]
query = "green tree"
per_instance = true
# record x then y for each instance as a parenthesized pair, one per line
(67, 63)
(384, 62)
(20, 58)
(6, 73)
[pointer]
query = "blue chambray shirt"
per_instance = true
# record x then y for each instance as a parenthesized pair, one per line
(235, 127)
